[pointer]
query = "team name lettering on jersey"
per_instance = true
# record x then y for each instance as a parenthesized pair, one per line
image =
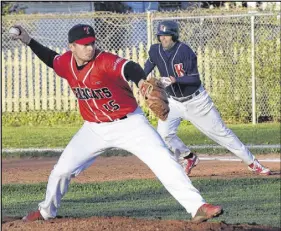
(118, 60)
(86, 93)
(103, 93)
(179, 69)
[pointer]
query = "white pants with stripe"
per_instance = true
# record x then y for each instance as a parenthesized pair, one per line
(133, 134)
(202, 113)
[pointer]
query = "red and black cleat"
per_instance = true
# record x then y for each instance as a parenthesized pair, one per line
(205, 212)
(256, 167)
(33, 216)
(189, 162)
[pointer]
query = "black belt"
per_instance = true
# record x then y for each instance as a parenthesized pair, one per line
(187, 98)
(122, 118)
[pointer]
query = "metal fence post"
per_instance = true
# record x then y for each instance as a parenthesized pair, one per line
(149, 32)
(202, 48)
(254, 119)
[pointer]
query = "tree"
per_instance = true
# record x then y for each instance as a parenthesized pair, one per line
(207, 4)
(8, 8)
(118, 7)
(11, 8)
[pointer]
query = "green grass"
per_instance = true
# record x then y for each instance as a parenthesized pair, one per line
(51, 137)
(28, 154)
(250, 200)
(119, 152)
(248, 134)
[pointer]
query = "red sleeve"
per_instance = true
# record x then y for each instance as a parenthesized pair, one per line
(114, 65)
(61, 63)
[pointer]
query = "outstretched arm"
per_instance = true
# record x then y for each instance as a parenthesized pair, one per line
(148, 66)
(192, 79)
(43, 53)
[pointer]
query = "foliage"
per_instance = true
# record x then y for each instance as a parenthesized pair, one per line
(118, 7)
(232, 90)
(51, 118)
(223, 45)
(11, 8)
(267, 77)
(5, 6)
(268, 80)
(48, 118)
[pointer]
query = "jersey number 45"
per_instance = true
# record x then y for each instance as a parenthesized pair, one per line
(111, 106)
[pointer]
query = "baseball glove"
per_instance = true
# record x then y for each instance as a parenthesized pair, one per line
(155, 98)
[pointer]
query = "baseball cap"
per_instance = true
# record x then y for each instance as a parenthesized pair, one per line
(81, 34)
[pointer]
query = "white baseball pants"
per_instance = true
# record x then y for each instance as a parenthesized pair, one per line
(133, 134)
(202, 113)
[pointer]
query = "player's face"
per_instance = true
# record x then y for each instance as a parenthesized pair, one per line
(166, 41)
(83, 53)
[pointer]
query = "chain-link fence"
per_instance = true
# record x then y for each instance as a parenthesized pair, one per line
(238, 58)
(239, 61)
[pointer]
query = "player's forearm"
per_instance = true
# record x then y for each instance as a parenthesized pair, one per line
(43, 53)
(148, 67)
(134, 72)
(189, 79)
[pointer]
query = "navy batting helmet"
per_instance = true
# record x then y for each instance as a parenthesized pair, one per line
(168, 28)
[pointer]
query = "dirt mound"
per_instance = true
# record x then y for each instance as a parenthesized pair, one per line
(124, 168)
(121, 168)
(124, 224)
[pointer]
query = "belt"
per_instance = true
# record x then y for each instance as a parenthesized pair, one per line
(122, 118)
(189, 97)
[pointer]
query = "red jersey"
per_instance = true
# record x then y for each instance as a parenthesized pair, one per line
(101, 88)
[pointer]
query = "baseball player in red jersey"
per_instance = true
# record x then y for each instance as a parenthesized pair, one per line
(112, 119)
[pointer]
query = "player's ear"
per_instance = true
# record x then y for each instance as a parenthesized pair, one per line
(71, 46)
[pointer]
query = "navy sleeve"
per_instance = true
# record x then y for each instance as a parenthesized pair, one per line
(148, 66)
(192, 75)
(190, 80)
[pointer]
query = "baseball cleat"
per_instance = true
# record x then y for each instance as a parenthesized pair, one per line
(189, 162)
(205, 212)
(258, 168)
(33, 216)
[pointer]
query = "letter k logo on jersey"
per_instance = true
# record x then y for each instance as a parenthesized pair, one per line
(86, 29)
(179, 69)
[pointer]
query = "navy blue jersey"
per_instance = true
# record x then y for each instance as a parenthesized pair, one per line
(179, 62)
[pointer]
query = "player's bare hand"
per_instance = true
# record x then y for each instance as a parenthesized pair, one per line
(167, 81)
(23, 36)
(173, 79)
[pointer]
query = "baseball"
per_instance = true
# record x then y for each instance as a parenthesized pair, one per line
(14, 31)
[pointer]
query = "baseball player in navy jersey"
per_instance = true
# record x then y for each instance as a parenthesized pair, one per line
(112, 119)
(188, 100)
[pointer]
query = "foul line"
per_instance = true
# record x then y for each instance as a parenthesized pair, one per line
(263, 146)
(202, 158)
(222, 158)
